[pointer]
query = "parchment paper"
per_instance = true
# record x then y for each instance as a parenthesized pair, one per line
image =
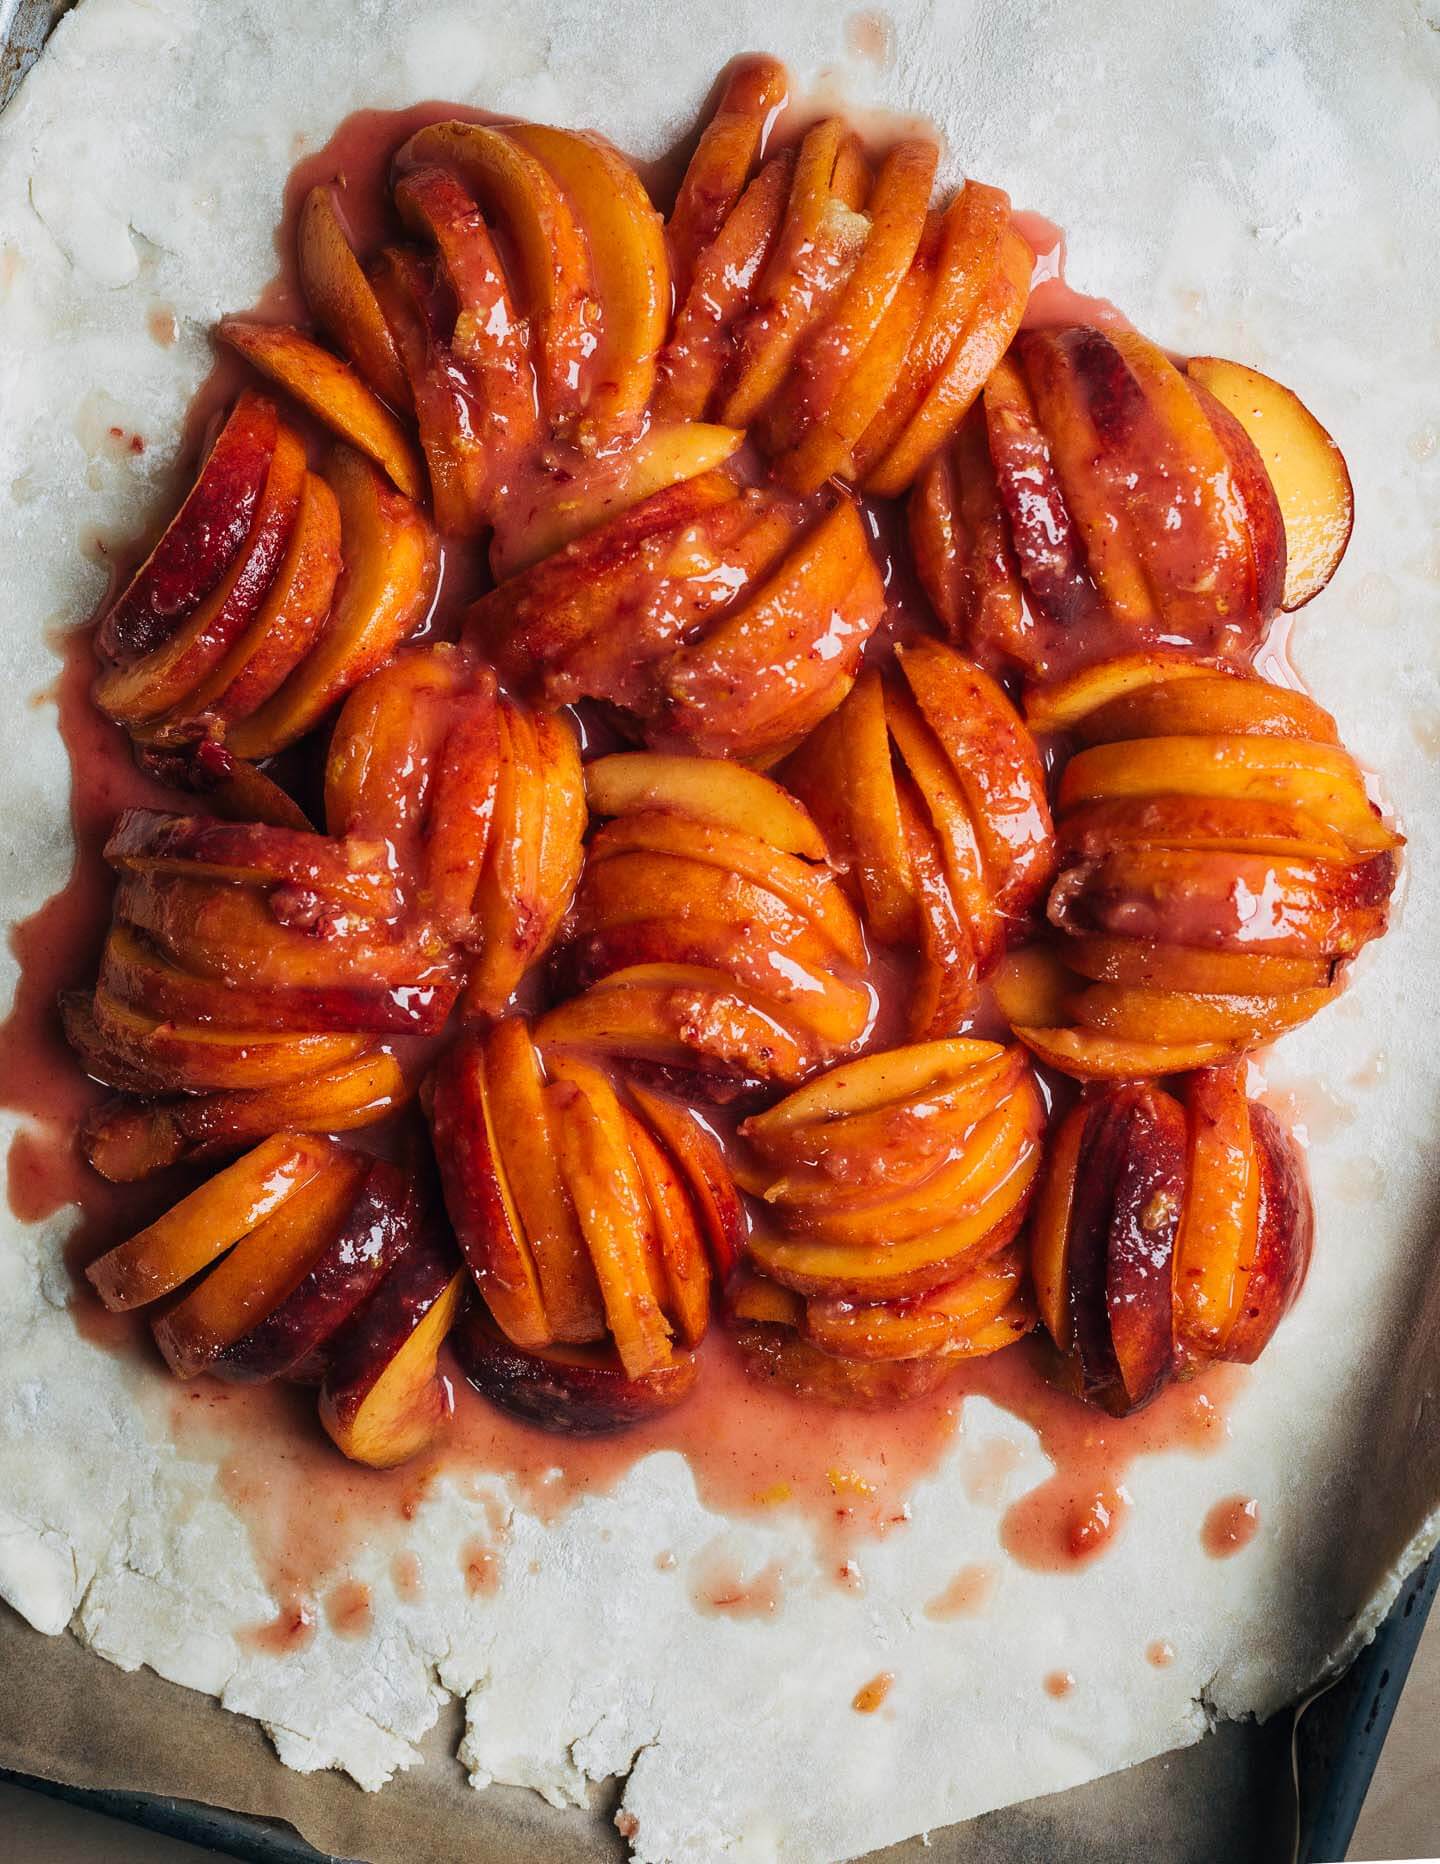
(1247, 179)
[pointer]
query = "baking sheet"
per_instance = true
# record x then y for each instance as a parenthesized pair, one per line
(1257, 220)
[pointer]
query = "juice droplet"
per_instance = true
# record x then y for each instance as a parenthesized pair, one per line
(407, 1576)
(966, 1596)
(482, 1566)
(1161, 1654)
(1230, 1525)
(870, 1695)
(721, 1590)
(347, 1609)
(1059, 1683)
(290, 1629)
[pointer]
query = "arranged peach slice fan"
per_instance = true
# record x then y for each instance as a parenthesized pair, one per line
(844, 667)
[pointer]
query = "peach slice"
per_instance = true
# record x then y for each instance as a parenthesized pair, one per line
(127, 1140)
(203, 538)
(1252, 486)
(705, 790)
(387, 742)
(350, 872)
(1319, 778)
(330, 389)
(960, 542)
(1222, 703)
(342, 299)
(1218, 1225)
(811, 892)
(391, 571)
(844, 772)
(1306, 468)
(755, 93)
(1182, 1017)
(1284, 1232)
(997, 766)
(1244, 827)
(259, 1273)
(535, 854)
(572, 1390)
(947, 984)
(126, 1049)
(1065, 704)
(573, 1307)
(682, 1016)
(865, 1086)
(707, 1176)
(383, 1400)
(557, 287)
(607, 1190)
(202, 1226)
(779, 662)
(679, 1270)
(629, 266)
(534, 523)
(896, 211)
(818, 245)
(955, 1320)
(1050, 1226)
(701, 343)
(294, 611)
(1048, 546)
(142, 690)
(1130, 1183)
(1090, 1057)
(1151, 965)
(479, 1196)
(370, 1239)
(231, 787)
(779, 1356)
(949, 396)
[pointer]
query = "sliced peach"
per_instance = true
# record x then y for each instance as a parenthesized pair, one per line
(203, 538)
(460, 825)
(952, 1320)
(1322, 779)
(968, 243)
(383, 1400)
(127, 1140)
(554, 266)
(124, 1048)
(143, 689)
(755, 1297)
(387, 743)
(725, 274)
(1185, 1017)
(330, 389)
(1222, 703)
(629, 267)
(1305, 466)
(1243, 827)
(231, 787)
(608, 1193)
(960, 542)
(1050, 1226)
(290, 618)
(1064, 705)
(682, 1016)
(948, 981)
(1130, 1186)
(1264, 520)
(202, 1226)
(342, 299)
(1285, 1224)
(261, 1270)
(391, 570)
(947, 399)
(702, 1164)
(464, 1123)
(817, 248)
(865, 1086)
(535, 854)
(1090, 1057)
(536, 521)
(812, 892)
(896, 210)
(755, 92)
(844, 772)
(1216, 1241)
(680, 1272)
(902, 1270)
(779, 1356)
(706, 790)
(371, 1236)
(1048, 546)
(572, 1390)
(1151, 965)
(516, 1083)
(779, 662)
